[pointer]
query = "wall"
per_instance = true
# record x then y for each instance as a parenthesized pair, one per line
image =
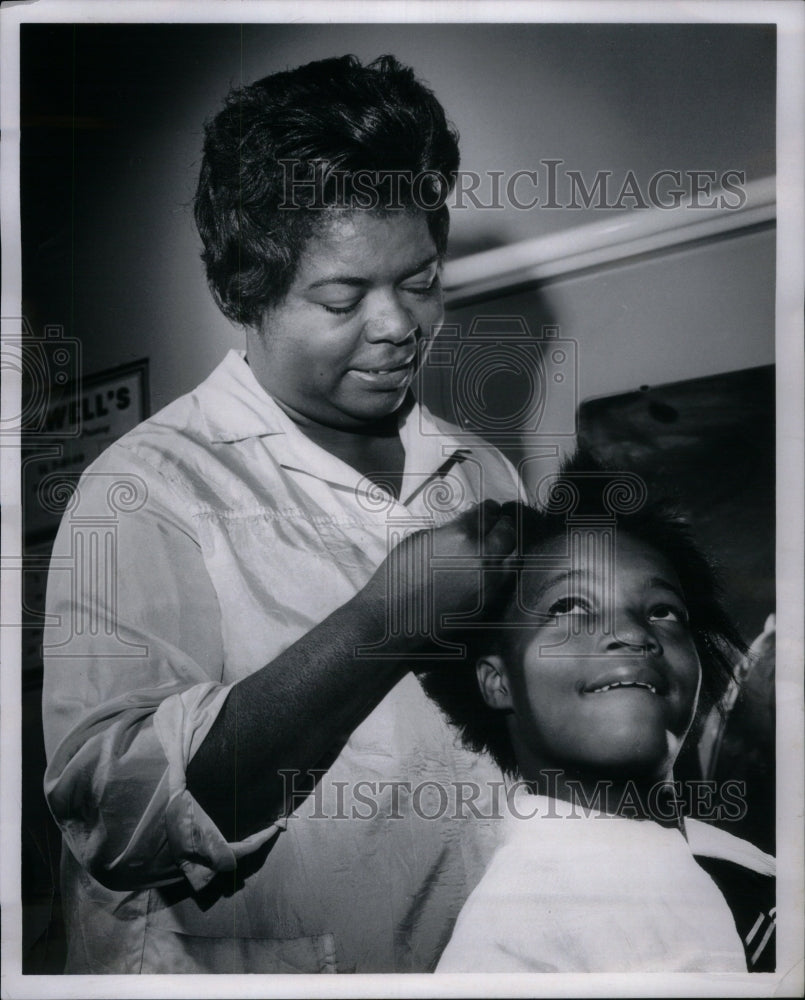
(695, 310)
(112, 131)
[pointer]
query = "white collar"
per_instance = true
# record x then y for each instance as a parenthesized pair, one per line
(235, 407)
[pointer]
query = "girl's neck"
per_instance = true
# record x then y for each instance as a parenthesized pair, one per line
(631, 798)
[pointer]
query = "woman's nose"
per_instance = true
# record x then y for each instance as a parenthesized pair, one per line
(389, 320)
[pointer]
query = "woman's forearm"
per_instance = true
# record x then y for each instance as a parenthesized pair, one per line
(289, 715)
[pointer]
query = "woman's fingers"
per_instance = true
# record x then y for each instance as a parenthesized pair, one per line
(502, 537)
(494, 524)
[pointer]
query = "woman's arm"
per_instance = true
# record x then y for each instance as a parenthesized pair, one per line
(133, 689)
(301, 707)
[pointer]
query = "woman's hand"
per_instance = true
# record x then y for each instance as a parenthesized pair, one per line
(437, 574)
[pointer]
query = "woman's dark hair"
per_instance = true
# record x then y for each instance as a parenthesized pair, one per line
(333, 134)
(586, 490)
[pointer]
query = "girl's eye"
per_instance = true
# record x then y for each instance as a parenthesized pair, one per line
(667, 613)
(569, 606)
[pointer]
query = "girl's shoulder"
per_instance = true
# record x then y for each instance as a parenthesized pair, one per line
(709, 841)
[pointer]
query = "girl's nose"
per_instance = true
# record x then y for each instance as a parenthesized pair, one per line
(630, 630)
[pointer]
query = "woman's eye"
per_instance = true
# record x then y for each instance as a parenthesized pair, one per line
(424, 287)
(667, 613)
(569, 606)
(339, 310)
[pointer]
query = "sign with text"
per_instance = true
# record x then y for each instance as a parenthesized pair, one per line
(80, 422)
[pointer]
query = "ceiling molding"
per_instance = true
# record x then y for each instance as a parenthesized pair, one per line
(605, 241)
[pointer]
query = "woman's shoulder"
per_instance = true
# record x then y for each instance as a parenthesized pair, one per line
(184, 443)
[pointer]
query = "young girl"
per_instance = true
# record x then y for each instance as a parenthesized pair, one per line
(585, 690)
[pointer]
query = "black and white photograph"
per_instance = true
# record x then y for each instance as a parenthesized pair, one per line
(402, 498)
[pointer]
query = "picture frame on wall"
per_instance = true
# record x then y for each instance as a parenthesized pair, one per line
(78, 420)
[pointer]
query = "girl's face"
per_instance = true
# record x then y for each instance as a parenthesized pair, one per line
(608, 676)
(341, 348)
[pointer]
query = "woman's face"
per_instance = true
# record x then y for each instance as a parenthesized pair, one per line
(341, 348)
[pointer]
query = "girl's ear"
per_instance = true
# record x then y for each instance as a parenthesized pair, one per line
(492, 680)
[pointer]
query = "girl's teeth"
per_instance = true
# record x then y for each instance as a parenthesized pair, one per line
(609, 687)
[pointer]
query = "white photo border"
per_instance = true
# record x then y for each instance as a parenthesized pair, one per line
(790, 20)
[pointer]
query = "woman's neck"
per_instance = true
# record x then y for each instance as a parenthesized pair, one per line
(373, 449)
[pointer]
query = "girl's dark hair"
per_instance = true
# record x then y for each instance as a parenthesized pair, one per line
(333, 134)
(585, 489)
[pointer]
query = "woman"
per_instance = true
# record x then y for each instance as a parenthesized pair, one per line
(237, 746)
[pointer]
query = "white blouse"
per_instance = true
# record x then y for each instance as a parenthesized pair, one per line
(569, 891)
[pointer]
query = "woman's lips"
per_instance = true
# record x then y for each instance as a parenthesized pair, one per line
(385, 378)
